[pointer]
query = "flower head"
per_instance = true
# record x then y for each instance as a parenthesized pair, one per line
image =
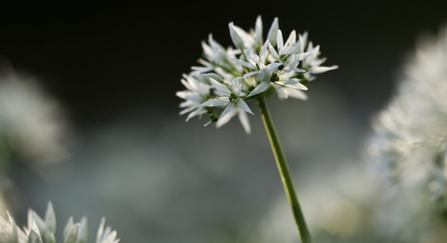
(41, 230)
(254, 69)
(409, 147)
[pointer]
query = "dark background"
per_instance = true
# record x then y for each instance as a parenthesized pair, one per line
(103, 59)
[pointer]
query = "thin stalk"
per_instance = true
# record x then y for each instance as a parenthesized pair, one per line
(284, 171)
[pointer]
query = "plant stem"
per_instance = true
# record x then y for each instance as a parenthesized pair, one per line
(284, 171)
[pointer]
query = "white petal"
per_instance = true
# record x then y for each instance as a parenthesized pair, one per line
(215, 103)
(207, 50)
(280, 90)
(235, 37)
(245, 64)
(315, 51)
(212, 75)
(297, 94)
(273, 32)
(229, 108)
(202, 69)
(72, 235)
(299, 70)
(273, 52)
(68, 227)
(317, 70)
(303, 41)
(280, 41)
(236, 85)
(195, 113)
(216, 46)
(264, 75)
(243, 118)
(100, 230)
(83, 230)
(274, 65)
(258, 30)
(182, 112)
(290, 42)
(50, 218)
(263, 54)
(250, 74)
(220, 87)
(241, 104)
(40, 223)
(223, 120)
(294, 84)
(259, 88)
(194, 98)
(34, 237)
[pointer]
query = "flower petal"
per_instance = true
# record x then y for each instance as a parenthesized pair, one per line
(317, 70)
(215, 103)
(245, 64)
(220, 87)
(273, 32)
(229, 108)
(295, 93)
(258, 30)
(280, 41)
(280, 90)
(235, 37)
(290, 42)
(223, 120)
(243, 118)
(241, 104)
(259, 89)
(250, 74)
(273, 52)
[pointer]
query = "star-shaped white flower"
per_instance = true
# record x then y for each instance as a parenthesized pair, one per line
(230, 98)
(289, 54)
(275, 74)
(216, 57)
(197, 92)
(283, 82)
(312, 62)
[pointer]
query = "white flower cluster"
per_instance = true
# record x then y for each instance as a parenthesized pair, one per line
(42, 230)
(410, 144)
(255, 69)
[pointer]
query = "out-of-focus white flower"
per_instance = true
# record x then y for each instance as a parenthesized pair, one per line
(31, 123)
(409, 147)
(256, 67)
(42, 230)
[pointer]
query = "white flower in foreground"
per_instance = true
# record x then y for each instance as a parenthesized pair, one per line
(255, 69)
(409, 147)
(42, 230)
(230, 99)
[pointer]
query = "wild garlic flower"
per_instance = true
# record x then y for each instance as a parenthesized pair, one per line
(41, 230)
(32, 124)
(254, 69)
(409, 147)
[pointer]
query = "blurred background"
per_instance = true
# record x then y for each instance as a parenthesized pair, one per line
(98, 82)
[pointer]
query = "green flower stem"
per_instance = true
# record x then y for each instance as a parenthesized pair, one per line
(284, 171)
